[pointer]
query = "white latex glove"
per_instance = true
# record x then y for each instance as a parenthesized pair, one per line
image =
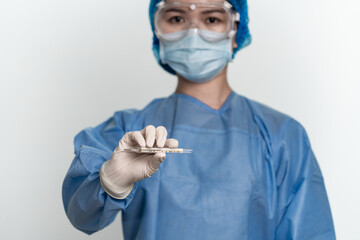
(118, 175)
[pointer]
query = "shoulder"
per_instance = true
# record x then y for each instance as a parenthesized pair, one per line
(276, 128)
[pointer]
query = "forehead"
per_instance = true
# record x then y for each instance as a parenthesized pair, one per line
(196, 1)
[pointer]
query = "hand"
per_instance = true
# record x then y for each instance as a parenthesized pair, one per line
(118, 175)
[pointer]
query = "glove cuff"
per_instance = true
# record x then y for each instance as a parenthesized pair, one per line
(111, 189)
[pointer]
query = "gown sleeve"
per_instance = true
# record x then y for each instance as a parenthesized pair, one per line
(304, 211)
(88, 207)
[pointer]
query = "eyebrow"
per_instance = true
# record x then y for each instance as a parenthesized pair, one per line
(213, 11)
(175, 10)
(203, 12)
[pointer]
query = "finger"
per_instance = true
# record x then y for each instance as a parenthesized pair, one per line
(137, 138)
(149, 134)
(161, 135)
(172, 143)
(154, 163)
(131, 139)
(157, 159)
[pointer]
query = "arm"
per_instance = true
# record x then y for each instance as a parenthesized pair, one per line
(88, 207)
(304, 211)
(92, 200)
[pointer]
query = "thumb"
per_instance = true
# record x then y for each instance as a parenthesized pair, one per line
(155, 162)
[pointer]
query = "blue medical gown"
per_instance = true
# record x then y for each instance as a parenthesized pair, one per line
(252, 175)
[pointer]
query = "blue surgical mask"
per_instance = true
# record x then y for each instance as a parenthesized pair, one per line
(194, 58)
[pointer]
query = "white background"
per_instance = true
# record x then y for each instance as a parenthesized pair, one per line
(66, 65)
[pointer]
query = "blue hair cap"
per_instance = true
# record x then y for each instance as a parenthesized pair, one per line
(243, 37)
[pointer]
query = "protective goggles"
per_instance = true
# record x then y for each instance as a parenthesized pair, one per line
(212, 21)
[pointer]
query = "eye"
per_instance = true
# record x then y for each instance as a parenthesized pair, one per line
(212, 20)
(176, 19)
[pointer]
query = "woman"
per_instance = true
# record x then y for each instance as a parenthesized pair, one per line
(252, 174)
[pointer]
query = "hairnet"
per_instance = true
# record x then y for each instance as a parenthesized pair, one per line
(243, 37)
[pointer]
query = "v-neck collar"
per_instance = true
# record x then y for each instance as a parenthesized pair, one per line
(203, 105)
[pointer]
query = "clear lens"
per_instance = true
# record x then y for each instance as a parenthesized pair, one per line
(173, 19)
(176, 19)
(214, 20)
